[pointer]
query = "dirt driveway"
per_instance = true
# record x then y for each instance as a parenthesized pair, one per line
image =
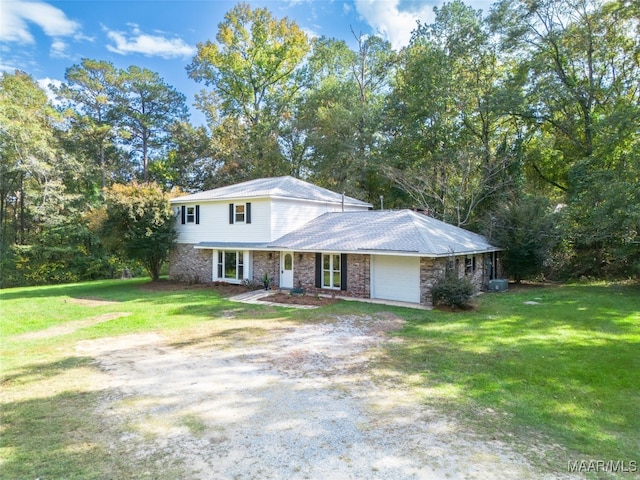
(284, 401)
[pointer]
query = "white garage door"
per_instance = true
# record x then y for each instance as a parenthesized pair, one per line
(395, 278)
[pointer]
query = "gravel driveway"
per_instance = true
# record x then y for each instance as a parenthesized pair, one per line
(285, 401)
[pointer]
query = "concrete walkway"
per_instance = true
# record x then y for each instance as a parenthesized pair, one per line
(254, 297)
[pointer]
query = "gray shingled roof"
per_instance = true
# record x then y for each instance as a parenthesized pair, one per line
(402, 231)
(281, 187)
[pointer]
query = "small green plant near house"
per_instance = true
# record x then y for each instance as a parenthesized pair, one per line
(266, 281)
(453, 291)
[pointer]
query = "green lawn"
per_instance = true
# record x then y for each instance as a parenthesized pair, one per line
(563, 371)
(49, 426)
(566, 367)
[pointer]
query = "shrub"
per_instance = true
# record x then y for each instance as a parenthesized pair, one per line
(453, 291)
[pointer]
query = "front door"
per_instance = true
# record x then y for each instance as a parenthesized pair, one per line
(286, 270)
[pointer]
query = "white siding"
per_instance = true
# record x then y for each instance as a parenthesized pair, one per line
(215, 227)
(395, 278)
(270, 219)
(288, 215)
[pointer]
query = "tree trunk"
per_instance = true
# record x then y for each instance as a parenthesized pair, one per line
(21, 241)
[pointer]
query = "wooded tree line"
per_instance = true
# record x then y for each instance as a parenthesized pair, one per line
(523, 124)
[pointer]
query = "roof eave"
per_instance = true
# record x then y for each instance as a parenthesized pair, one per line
(277, 197)
(370, 251)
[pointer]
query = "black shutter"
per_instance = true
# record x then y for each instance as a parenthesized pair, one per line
(231, 212)
(197, 214)
(318, 270)
(247, 213)
(343, 271)
(184, 214)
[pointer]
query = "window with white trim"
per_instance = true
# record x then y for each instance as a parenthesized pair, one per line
(230, 265)
(191, 215)
(240, 213)
(331, 275)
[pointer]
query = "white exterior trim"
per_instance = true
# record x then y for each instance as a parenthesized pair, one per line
(247, 266)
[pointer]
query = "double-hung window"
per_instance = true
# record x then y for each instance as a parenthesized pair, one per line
(230, 265)
(190, 214)
(331, 275)
(240, 213)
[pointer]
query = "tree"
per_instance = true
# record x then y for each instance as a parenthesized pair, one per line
(256, 72)
(580, 67)
(30, 159)
(148, 109)
(89, 93)
(451, 147)
(43, 231)
(190, 163)
(342, 112)
(580, 62)
(138, 223)
(527, 231)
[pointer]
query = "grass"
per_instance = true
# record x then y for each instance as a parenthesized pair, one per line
(49, 426)
(566, 368)
(564, 371)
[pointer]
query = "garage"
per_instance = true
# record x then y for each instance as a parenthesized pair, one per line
(395, 278)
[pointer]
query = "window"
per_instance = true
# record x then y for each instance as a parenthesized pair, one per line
(469, 265)
(191, 214)
(331, 271)
(230, 265)
(240, 213)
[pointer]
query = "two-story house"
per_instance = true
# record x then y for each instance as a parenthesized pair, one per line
(303, 236)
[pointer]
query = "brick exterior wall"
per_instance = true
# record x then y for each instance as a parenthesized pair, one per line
(430, 270)
(433, 268)
(358, 275)
(192, 265)
(269, 263)
(187, 264)
(304, 271)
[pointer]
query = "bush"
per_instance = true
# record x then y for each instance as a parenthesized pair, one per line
(453, 291)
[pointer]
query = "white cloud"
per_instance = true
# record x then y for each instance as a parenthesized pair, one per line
(17, 14)
(7, 68)
(46, 84)
(149, 45)
(311, 33)
(59, 49)
(392, 24)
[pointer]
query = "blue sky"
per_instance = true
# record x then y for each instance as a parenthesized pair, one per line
(45, 38)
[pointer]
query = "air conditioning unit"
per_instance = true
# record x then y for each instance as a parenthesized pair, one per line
(499, 285)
